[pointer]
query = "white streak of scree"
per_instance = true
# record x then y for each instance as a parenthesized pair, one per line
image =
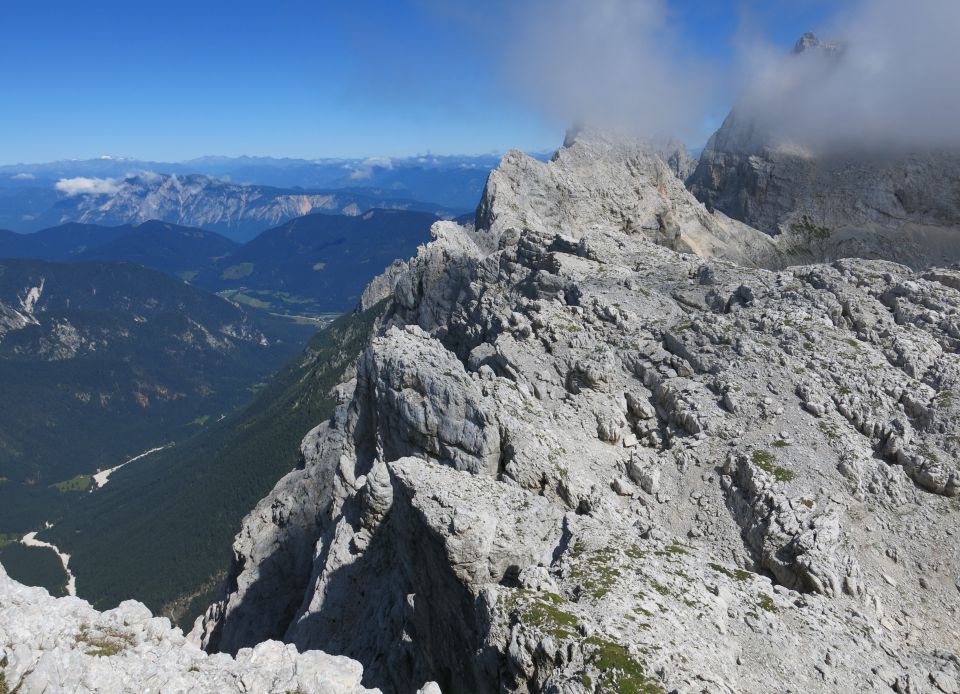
(101, 478)
(30, 540)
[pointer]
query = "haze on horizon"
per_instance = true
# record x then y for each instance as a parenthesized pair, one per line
(394, 79)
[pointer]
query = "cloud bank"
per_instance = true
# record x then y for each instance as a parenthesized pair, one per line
(624, 64)
(365, 169)
(88, 186)
(893, 83)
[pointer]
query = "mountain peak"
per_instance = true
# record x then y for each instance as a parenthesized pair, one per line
(810, 41)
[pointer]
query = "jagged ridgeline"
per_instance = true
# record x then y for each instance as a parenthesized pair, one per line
(160, 531)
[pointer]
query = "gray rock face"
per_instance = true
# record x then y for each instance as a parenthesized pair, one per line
(579, 454)
(598, 183)
(383, 285)
(64, 645)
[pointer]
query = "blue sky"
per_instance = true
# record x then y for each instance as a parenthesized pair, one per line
(174, 80)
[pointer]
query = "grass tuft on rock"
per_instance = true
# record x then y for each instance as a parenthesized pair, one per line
(766, 461)
(618, 671)
(104, 642)
(735, 574)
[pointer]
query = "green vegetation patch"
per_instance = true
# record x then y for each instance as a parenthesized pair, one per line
(239, 297)
(594, 570)
(237, 272)
(929, 452)
(544, 611)
(830, 430)
(735, 574)
(8, 539)
(766, 461)
(766, 603)
(675, 548)
(618, 671)
(812, 232)
(80, 483)
(807, 233)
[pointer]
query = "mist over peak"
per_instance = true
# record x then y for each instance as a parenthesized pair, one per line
(885, 82)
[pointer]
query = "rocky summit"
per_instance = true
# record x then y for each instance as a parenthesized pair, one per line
(606, 440)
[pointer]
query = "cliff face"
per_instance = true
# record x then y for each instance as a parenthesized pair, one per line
(596, 448)
(771, 185)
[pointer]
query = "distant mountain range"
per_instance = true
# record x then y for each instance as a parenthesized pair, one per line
(238, 197)
(318, 263)
(111, 346)
(454, 181)
(238, 212)
(310, 265)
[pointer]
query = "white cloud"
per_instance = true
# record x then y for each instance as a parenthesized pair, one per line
(607, 63)
(365, 169)
(23, 177)
(88, 186)
(148, 177)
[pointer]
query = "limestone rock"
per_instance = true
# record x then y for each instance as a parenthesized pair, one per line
(64, 645)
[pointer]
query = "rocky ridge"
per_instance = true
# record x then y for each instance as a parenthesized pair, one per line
(598, 447)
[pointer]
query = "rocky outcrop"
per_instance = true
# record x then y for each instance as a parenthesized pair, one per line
(599, 183)
(582, 449)
(383, 285)
(64, 645)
